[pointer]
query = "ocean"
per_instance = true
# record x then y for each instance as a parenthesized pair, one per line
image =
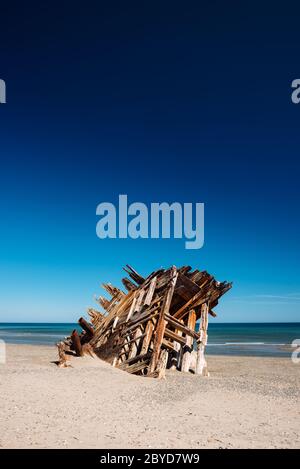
(248, 339)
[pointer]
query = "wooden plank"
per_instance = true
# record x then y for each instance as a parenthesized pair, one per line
(185, 269)
(62, 358)
(135, 343)
(128, 284)
(139, 302)
(131, 310)
(161, 324)
(162, 364)
(134, 339)
(181, 327)
(168, 345)
(135, 359)
(193, 302)
(134, 274)
(150, 292)
(115, 323)
(113, 291)
(124, 350)
(104, 302)
(176, 337)
(86, 326)
(176, 358)
(140, 320)
(201, 365)
(188, 305)
(188, 348)
(136, 367)
(76, 343)
(148, 335)
(186, 287)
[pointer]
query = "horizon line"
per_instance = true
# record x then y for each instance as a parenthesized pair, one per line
(211, 322)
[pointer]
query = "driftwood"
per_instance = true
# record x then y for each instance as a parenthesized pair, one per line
(62, 358)
(155, 325)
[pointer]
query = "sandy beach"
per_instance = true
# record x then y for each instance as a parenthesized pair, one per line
(245, 403)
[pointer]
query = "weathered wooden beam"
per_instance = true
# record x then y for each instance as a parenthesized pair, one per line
(62, 358)
(135, 343)
(188, 347)
(104, 302)
(113, 291)
(135, 339)
(148, 335)
(174, 336)
(76, 343)
(162, 364)
(86, 326)
(140, 320)
(139, 302)
(150, 292)
(124, 350)
(128, 284)
(161, 323)
(201, 365)
(180, 326)
(136, 367)
(176, 357)
(134, 274)
(131, 309)
(168, 345)
(193, 302)
(134, 359)
(212, 313)
(186, 287)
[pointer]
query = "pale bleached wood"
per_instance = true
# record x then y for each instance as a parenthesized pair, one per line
(162, 364)
(201, 365)
(177, 356)
(148, 335)
(150, 292)
(113, 291)
(139, 302)
(188, 347)
(62, 358)
(124, 350)
(131, 310)
(135, 343)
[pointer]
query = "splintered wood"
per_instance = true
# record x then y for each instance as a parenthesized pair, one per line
(155, 325)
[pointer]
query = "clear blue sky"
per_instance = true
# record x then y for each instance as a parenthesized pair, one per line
(186, 103)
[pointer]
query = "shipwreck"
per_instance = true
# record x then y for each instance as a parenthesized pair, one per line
(160, 322)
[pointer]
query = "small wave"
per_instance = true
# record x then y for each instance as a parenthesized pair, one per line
(29, 334)
(244, 343)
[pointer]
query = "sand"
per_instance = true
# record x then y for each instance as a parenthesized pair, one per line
(245, 403)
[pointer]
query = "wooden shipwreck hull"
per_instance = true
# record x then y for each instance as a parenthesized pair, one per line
(152, 326)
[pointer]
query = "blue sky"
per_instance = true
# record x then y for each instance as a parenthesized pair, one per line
(162, 104)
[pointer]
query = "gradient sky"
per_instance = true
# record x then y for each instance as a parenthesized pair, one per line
(162, 101)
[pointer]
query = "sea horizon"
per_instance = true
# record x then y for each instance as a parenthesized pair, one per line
(224, 338)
